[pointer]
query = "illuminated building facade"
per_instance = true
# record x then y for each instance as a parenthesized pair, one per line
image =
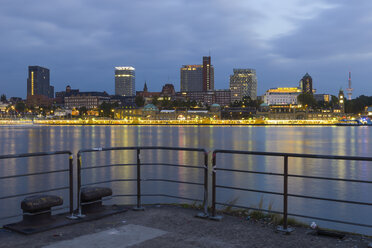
(243, 83)
(38, 82)
(90, 100)
(125, 81)
(192, 78)
(206, 98)
(306, 84)
(151, 112)
(221, 97)
(369, 111)
(322, 97)
(198, 77)
(208, 74)
(282, 96)
(341, 101)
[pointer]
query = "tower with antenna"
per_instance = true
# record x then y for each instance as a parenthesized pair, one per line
(349, 89)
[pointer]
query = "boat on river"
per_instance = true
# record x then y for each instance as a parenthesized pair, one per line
(363, 121)
(346, 122)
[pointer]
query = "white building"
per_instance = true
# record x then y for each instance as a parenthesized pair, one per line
(125, 81)
(243, 83)
(62, 112)
(282, 96)
(3, 106)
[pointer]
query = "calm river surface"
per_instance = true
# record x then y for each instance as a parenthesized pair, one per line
(354, 141)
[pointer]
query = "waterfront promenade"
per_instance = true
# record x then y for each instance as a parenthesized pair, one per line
(171, 226)
(167, 122)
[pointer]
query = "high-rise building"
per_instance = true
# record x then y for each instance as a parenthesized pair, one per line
(198, 77)
(306, 84)
(38, 82)
(191, 78)
(125, 81)
(243, 83)
(208, 74)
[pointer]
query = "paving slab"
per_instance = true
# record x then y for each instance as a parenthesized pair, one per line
(123, 236)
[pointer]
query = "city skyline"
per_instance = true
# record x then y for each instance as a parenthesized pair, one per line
(282, 41)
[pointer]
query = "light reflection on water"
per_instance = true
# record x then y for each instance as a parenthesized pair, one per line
(312, 140)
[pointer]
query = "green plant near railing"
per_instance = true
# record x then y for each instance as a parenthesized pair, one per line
(258, 214)
(228, 209)
(267, 215)
(193, 205)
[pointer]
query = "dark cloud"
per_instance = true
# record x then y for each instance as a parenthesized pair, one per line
(337, 41)
(82, 40)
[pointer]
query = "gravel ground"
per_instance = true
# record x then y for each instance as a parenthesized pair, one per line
(184, 230)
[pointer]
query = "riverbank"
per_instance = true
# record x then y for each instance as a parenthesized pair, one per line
(172, 226)
(171, 122)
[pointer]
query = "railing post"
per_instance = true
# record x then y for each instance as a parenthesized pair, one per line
(206, 183)
(138, 207)
(285, 198)
(285, 194)
(80, 215)
(205, 200)
(71, 185)
(214, 216)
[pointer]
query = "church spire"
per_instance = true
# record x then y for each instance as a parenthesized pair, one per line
(145, 87)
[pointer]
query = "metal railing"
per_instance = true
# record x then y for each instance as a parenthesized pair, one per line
(204, 182)
(285, 176)
(42, 154)
(139, 179)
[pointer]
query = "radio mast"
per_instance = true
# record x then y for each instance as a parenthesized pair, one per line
(349, 89)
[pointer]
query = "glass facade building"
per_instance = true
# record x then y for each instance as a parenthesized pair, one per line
(191, 78)
(198, 77)
(243, 83)
(125, 81)
(306, 84)
(38, 82)
(208, 74)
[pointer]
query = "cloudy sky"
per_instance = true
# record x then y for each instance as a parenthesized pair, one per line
(81, 41)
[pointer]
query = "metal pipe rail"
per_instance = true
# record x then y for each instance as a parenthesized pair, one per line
(42, 154)
(285, 176)
(139, 179)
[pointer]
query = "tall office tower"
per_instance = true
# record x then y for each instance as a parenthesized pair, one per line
(38, 81)
(208, 74)
(125, 84)
(306, 84)
(243, 83)
(191, 78)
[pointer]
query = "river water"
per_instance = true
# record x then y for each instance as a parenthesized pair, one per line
(328, 140)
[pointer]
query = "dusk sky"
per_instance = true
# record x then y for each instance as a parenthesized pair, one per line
(81, 41)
